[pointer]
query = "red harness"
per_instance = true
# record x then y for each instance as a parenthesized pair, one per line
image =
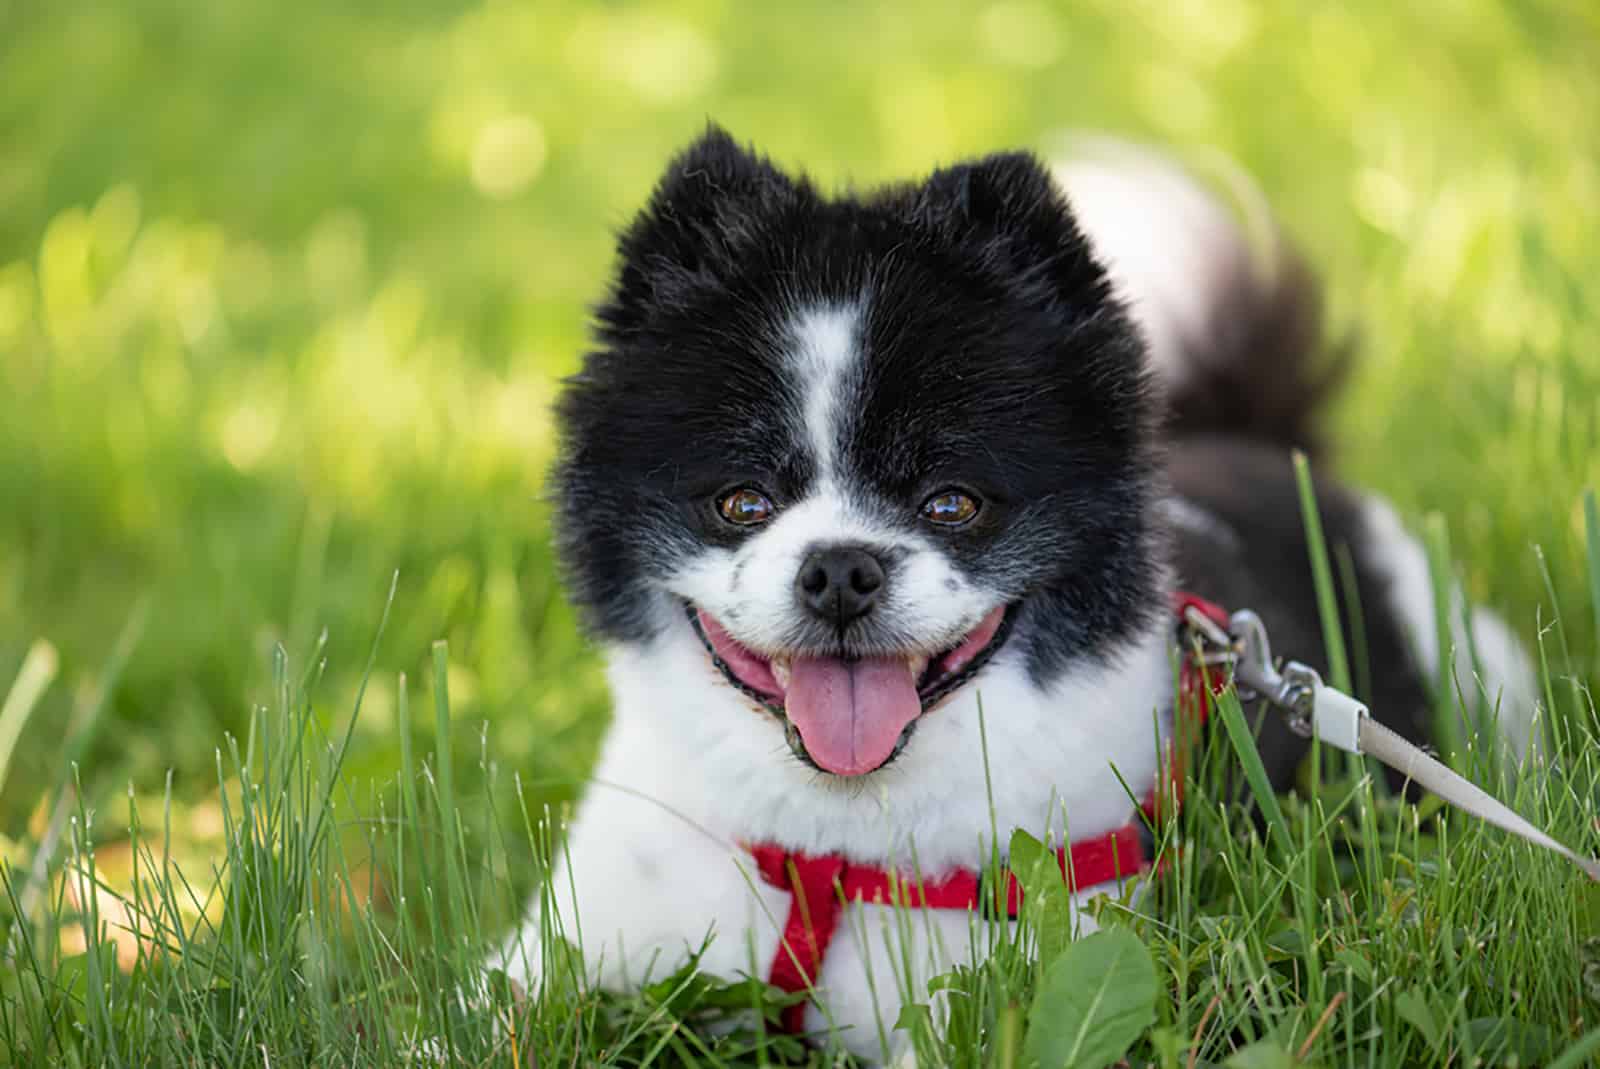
(820, 886)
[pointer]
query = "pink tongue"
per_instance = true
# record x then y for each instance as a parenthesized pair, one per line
(851, 713)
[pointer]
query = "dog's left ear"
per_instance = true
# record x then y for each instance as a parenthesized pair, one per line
(1010, 202)
(715, 200)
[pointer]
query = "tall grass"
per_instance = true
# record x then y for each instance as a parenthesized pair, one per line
(1343, 928)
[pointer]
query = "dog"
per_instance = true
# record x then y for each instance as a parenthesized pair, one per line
(877, 503)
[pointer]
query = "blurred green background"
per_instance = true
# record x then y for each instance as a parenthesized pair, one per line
(286, 289)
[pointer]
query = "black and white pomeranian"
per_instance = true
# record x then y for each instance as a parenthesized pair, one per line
(841, 468)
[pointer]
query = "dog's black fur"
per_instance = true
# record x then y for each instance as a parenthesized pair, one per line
(997, 358)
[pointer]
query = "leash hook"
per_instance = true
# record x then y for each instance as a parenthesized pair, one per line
(1292, 689)
(1315, 709)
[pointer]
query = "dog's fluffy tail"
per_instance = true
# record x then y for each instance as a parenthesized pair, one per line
(1230, 311)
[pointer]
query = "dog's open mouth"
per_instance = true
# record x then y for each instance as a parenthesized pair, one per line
(851, 716)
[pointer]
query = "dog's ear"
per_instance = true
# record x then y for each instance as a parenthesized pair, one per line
(711, 179)
(1009, 203)
(714, 198)
(1006, 191)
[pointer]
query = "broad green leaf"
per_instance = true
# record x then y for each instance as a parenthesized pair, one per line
(1412, 1005)
(1096, 999)
(1266, 1054)
(913, 1015)
(1507, 1041)
(1045, 900)
(1355, 962)
(1286, 943)
(1024, 854)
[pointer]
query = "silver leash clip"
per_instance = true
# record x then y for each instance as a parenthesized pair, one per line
(1314, 709)
(1296, 689)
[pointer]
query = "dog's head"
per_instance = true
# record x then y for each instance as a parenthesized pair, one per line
(861, 446)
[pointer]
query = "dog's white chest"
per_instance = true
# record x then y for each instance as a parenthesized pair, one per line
(651, 874)
(649, 892)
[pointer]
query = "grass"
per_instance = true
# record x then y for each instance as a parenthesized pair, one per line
(1344, 928)
(284, 293)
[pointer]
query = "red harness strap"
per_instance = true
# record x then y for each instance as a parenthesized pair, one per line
(1196, 687)
(819, 887)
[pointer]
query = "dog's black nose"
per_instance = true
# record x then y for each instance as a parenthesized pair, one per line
(840, 584)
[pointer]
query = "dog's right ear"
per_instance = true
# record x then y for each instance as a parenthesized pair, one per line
(711, 201)
(713, 178)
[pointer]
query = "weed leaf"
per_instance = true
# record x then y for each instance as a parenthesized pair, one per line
(1044, 895)
(1096, 999)
(1266, 1054)
(1412, 1005)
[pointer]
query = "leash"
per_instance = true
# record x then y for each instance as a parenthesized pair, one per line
(1318, 710)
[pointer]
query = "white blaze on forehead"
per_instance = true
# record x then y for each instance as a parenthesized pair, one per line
(825, 348)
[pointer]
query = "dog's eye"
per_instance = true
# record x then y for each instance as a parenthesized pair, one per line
(746, 507)
(951, 508)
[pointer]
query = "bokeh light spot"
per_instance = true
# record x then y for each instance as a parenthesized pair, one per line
(1020, 34)
(507, 155)
(1383, 200)
(659, 58)
(336, 255)
(247, 434)
(16, 300)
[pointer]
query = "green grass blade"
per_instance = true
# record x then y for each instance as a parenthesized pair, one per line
(1580, 1053)
(81, 732)
(336, 765)
(38, 671)
(1327, 600)
(1591, 527)
(1447, 726)
(1244, 746)
(447, 811)
(1322, 576)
